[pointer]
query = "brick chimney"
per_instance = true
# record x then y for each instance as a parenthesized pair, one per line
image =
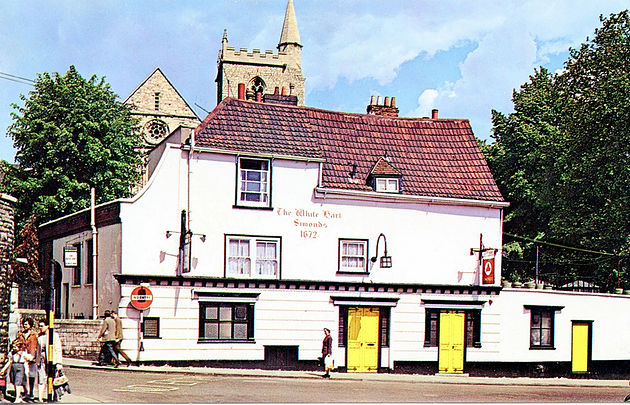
(388, 108)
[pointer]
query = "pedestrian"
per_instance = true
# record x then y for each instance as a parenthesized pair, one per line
(57, 358)
(119, 338)
(107, 335)
(32, 356)
(17, 368)
(327, 353)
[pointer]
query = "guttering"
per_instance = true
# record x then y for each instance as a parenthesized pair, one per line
(255, 154)
(322, 192)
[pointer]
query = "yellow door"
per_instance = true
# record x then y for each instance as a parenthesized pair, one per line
(451, 342)
(363, 335)
(580, 337)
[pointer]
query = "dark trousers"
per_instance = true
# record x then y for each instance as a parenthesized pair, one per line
(107, 353)
(120, 351)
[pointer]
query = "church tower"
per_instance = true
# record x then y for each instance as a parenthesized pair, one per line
(264, 76)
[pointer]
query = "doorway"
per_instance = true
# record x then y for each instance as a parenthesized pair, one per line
(451, 342)
(363, 339)
(581, 336)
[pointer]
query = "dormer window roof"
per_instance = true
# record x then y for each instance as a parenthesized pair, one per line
(384, 177)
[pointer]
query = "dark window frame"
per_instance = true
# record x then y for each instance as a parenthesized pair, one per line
(472, 327)
(541, 311)
(249, 321)
(157, 328)
(76, 271)
(89, 273)
(238, 202)
(366, 256)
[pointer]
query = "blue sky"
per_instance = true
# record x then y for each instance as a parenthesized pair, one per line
(461, 57)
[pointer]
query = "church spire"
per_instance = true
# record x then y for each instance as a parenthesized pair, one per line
(290, 34)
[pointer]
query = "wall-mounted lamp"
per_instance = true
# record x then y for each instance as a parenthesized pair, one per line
(386, 261)
(168, 234)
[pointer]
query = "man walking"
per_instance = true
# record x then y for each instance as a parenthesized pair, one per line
(107, 335)
(119, 338)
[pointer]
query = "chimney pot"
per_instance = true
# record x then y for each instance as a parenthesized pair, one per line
(434, 113)
(276, 91)
(241, 91)
(386, 103)
(378, 100)
(284, 91)
(393, 102)
(372, 100)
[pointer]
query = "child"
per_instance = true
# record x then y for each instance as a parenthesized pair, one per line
(17, 370)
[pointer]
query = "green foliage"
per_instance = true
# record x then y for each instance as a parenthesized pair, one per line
(71, 135)
(563, 161)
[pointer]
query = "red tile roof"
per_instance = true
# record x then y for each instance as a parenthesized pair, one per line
(384, 168)
(436, 157)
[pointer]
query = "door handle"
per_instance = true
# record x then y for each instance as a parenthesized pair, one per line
(370, 344)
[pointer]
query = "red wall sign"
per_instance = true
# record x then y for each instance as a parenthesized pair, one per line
(141, 298)
(487, 270)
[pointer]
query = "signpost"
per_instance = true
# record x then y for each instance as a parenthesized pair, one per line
(141, 298)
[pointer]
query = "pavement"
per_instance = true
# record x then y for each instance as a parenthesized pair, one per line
(384, 377)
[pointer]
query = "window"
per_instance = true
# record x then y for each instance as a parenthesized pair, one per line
(89, 276)
(541, 329)
(256, 257)
(388, 185)
(353, 255)
(253, 183)
(226, 321)
(155, 131)
(157, 101)
(472, 327)
(151, 328)
(76, 277)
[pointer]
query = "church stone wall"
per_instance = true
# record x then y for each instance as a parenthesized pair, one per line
(7, 229)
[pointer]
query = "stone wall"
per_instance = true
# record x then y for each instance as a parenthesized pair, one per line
(78, 337)
(6, 252)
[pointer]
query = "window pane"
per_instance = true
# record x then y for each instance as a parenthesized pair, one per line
(535, 337)
(240, 312)
(211, 313)
(545, 338)
(253, 176)
(211, 331)
(535, 319)
(225, 314)
(240, 331)
(225, 330)
(546, 320)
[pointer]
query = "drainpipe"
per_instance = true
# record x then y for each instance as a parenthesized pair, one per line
(94, 255)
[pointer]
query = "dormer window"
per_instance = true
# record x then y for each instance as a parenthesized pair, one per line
(384, 177)
(386, 185)
(253, 185)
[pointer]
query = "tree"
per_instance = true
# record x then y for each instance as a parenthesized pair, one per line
(27, 273)
(563, 161)
(71, 135)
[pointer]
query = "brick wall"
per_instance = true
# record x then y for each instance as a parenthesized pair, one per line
(78, 337)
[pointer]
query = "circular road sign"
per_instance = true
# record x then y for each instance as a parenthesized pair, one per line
(141, 298)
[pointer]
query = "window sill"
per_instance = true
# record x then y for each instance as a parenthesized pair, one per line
(226, 341)
(542, 348)
(75, 285)
(151, 337)
(352, 273)
(253, 207)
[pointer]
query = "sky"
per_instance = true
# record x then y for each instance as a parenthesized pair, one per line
(463, 58)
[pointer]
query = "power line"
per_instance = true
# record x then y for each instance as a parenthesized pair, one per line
(559, 246)
(17, 79)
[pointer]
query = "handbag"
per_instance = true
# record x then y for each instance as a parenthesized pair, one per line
(329, 362)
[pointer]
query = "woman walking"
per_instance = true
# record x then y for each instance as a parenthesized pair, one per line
(327, 353)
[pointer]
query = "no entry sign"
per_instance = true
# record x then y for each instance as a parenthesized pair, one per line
(141, 298)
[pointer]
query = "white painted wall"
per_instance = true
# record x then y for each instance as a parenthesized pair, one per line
(429, 243)
(108, 264)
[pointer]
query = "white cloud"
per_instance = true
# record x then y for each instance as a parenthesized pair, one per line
(426, 102)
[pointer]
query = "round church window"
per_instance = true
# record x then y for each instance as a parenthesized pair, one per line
(155, 131)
